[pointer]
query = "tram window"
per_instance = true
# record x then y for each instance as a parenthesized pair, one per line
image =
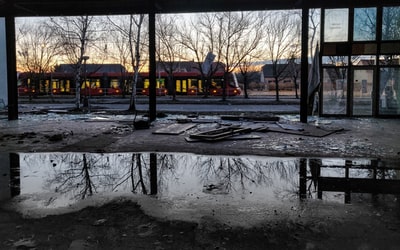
(160, 83)
(114, 83)
(55, 84)
(96, 83)
(146, 83)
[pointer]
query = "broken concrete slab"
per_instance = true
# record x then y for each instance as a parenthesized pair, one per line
(304, 129)
(175, 129)
(220, 134)
(231, 138)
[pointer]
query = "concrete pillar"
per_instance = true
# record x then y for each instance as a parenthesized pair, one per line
(11, 64)
(304, 65)
(3, 64)
(152, 66)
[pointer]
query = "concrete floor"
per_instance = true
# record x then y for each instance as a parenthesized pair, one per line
(104, 132)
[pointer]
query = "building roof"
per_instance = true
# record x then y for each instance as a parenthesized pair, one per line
(117, 7)
(188, 66)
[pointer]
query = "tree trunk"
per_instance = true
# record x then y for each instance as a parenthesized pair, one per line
(277, 89)
(246, 95)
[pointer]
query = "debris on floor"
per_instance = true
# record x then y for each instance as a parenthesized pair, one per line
(217, 130)
(175, 129)
(304, 129)
(220, 134)
(243, 117)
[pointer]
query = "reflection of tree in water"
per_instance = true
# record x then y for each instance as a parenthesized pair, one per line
(167, 165)
(84, 174)
(138, 175)
(133, 175)
(227, 171)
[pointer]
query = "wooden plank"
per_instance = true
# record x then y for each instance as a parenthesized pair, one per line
(175, 129)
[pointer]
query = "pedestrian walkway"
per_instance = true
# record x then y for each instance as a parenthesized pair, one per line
(182, 104)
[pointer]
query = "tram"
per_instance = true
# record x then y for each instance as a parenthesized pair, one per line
(114, 80)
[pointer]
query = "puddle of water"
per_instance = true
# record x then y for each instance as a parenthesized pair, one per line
(196, 185)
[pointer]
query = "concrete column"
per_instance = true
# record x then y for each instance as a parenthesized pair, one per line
(3, 64)
(152, 66)
(304, 65)
(11, 63)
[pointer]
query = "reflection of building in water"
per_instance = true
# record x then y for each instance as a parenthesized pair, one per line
(351, 176)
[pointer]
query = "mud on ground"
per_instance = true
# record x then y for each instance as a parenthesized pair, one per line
(123, 225)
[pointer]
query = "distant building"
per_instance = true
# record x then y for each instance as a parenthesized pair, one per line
(288, 75)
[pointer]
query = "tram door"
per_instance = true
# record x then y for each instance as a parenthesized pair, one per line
(362, 92)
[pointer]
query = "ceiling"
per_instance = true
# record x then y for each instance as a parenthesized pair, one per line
(116, 7)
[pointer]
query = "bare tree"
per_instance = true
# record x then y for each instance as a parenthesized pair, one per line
(196, 48)
(75, 36)
(281, 30)
(314, 17)
(119, 49)
(246, 70)
(36, 52)
(248, 50)
(391, 23)
(231, 36)
(169, 48)
(131, 48)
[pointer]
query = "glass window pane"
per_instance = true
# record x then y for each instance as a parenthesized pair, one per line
(363, 60)
(389, 60)
(390, 48)
(391, 23)
(389, 95)
(364, 24)
(362, 91)
(335, 60)
(336, 25)
(334, 91)
(364, 49)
